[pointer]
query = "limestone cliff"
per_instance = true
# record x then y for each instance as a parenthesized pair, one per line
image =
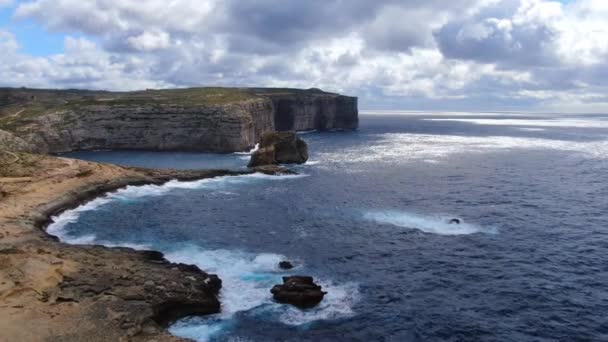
(308, 111)
(199, 119)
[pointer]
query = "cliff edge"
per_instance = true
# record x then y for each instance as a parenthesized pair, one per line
(193, 119)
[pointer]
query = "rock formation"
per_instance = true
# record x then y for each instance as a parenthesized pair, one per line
(280, 148)
(9, 142)
(285, 265)
(198, 119)
(300, 291)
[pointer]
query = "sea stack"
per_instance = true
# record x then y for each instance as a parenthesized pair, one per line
(280, 148)
(299, 291)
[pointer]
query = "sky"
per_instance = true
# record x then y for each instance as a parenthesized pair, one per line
(471, 55)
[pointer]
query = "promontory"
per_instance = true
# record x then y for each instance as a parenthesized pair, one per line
(193, 119)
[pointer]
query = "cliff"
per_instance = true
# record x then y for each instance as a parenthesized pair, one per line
(199, 119)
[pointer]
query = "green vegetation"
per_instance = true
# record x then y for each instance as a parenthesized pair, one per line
(189, 96)
(20, 106)
(17, 116)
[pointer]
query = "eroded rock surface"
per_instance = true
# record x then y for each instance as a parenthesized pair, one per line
(300, 291)
(280, 148)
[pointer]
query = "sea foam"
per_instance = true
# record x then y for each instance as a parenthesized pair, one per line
(133, 193)
(437, 224)
(247, 277)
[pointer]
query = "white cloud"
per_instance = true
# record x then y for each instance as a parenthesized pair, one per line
(150, 41)
(488, 53)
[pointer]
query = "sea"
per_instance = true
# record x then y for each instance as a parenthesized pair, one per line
(368, 217)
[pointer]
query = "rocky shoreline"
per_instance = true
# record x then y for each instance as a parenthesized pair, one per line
(54, 291)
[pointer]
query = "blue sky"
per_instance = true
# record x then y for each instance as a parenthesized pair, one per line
(393, 54)
(32, 37)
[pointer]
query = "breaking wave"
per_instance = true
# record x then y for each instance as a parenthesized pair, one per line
(247, 279)
(428, 224)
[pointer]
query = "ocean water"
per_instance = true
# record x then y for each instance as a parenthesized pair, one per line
(367, 217)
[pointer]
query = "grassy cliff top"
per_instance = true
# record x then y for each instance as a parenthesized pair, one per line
(18, 106)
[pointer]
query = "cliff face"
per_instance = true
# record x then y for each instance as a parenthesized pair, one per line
(199, 119)
(152, 127)
(308, 112)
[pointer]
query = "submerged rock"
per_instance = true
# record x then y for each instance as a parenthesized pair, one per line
(285, 265)
(300, 291)
(280, 148)
(274, 170)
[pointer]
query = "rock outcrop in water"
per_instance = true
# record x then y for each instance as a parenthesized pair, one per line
(285, 265)
(280, 148)
(197, 119)
(300, 291)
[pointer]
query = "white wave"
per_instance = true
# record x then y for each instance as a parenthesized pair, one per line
(89, 239)
(403, 147)
(544, 122)
(308, 132)
(434, 113)
(193, 329)
(246, 278)
(337, 304)
(250, 152)
(131, 193)
(59, 222)
(430, 224)
(528, 129)
(246, 282)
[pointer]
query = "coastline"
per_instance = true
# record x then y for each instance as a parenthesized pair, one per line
(52, 290)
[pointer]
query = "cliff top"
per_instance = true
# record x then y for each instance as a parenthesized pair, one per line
(20, 104)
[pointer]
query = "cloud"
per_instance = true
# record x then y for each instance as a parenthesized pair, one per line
(150, 41)
(480, 53)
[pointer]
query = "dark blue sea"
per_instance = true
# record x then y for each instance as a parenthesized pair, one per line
(368, 218)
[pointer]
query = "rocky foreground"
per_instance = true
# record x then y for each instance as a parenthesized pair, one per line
(58, 292)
